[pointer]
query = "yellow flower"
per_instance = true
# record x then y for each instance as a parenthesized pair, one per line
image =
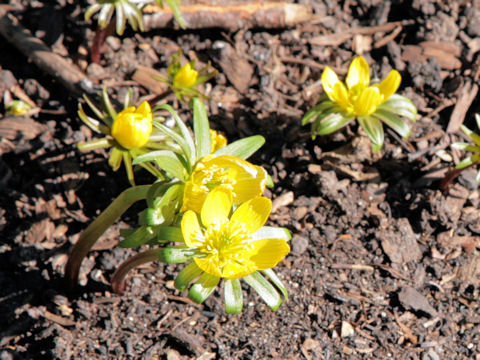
(185, 77)
(226, 246)
(217, 141)
(132, 127)
(242, 178)
(358, 97)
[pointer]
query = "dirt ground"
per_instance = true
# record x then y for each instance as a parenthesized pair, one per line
(384, 265)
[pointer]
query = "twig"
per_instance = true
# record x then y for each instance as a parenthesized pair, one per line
(232, 17)
(53, 64)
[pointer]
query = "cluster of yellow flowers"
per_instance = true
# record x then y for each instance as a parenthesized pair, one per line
(206, 209)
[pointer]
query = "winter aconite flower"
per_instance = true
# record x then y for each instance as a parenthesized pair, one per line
(474, 149)
(242, 178)
(129, 133)
(358, 99)
(132, 127)
(229, 246)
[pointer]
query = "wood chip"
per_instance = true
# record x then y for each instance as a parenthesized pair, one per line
(467, 95)
(412, 299)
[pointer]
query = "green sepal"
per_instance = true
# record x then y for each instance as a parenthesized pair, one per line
(137, 238)
(394, 122)
(232, 292)
(264, 289)
(105, 15)
(242, 148)
(202, 289)
(270, 232)
(475, 137)
(187, 275)
(201, 128)
(466, 147)
(270, 183)
(95, 144)
(401, 106)
(108, 106)
(175, 254)
(277, 282)
(374, 129)
(127, 160)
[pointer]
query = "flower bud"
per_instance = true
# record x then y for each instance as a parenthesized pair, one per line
(185, 77)
(133, 126)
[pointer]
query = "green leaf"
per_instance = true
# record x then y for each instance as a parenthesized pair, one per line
(242, 148)
(317, 110)
(115, 159)
(264, 289)
(139, 237)
(475, 137)
(166, 160)
(175, 254)
(170, 233)
(270, 232)
(120, 18)
(464, 163)
(166, 207)
(187, 275)
(174, 5)
(277, 282)
(202, 289)
(374, 129)
(108, 105)
(394, 122)
(466, 147)
(331, 123)
(233, 296)
(201, 128)
(401, 106)
(187, 144)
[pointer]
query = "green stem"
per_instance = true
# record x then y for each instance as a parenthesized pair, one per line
(118, 278)
(95, 144)
(98, 227)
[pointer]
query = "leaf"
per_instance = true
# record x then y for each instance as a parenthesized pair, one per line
(464, 163)
(166, 160)
(139, 237)
(374, 129)
(264, 289)
(325, 106)
(187, 275)
(471, 135)
(277, 282)
(201, 128)
(175, 254)
(170, 233)
(202, 289)
(242, 148)
(188, 143)
(233, 296)
(394, 122)
(332, 123)
(270, 232)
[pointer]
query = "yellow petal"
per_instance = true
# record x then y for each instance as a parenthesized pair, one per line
(390, 84)
(249, 180)
(217, 141)
(237, 270)
(144, 109)
(367, 102)
(217, 206)
(334, 88)
(267, 253)
(185, 77)
(207, 265)
(253, 214)
(191, 231)
(358, 73)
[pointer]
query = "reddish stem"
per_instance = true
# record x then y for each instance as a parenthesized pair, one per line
(98, 41)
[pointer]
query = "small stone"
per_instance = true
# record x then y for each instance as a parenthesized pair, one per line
(347, 330)
(299, 244)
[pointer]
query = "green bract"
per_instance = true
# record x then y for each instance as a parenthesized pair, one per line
(474, 149)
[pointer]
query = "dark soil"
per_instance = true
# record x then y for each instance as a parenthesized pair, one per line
(383, 265)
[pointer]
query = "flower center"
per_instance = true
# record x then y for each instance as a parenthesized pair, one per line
(213, 176)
